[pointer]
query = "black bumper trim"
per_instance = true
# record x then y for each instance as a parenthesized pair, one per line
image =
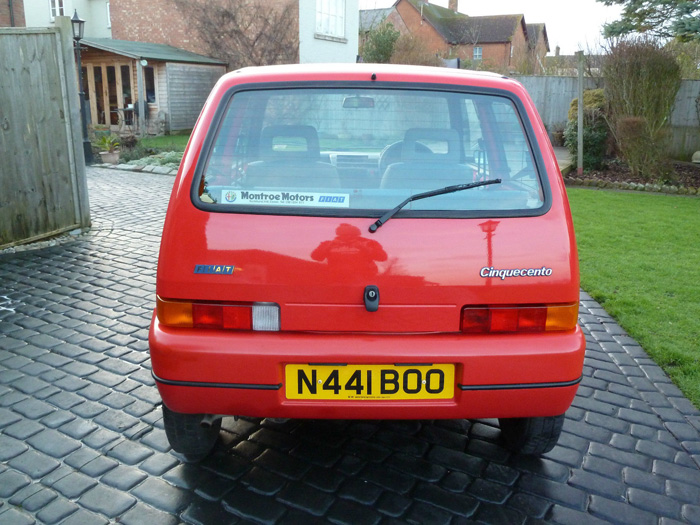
(522, 386)
(201, 384)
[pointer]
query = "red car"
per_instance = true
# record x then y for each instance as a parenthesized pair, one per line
(367, 242)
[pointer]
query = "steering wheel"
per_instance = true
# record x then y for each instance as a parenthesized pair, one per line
(392, 154)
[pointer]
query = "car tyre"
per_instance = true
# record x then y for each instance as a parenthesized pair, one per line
(187, 435)
(531, 436)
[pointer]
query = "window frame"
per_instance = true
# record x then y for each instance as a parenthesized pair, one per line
(56, 8)
(221, 110)
(326, 11)
(480, 53)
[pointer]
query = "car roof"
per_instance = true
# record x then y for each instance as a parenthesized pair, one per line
(375, 72)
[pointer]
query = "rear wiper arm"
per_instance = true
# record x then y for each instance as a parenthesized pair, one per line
(442, 191)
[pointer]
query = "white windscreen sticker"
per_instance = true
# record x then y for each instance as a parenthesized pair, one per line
(285, 198)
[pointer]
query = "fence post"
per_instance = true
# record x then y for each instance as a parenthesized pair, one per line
(579, 133)
(66, 61)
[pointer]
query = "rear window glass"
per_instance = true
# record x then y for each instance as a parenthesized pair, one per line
(358, 151)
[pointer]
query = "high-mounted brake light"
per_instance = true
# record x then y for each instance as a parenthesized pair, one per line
(505, 319)
(228, 316)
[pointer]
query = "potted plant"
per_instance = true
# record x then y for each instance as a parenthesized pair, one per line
(108, 145)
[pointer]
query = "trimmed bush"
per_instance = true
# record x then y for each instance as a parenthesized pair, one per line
(641, 82)
(380, 44)
(644, 154)
(595, 129)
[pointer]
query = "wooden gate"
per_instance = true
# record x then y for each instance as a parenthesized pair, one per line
(43, 190)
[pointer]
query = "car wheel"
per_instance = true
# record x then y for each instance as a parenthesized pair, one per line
(187, 435)
(531, 436)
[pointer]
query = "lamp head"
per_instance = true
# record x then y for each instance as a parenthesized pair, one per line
(78, 26)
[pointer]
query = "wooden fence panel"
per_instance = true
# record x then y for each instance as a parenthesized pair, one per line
(42, 171)
(553, 94)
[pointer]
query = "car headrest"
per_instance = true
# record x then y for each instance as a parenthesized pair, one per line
(431, 145)
(290, 142)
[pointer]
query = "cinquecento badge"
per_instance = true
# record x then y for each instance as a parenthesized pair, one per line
(490, 271)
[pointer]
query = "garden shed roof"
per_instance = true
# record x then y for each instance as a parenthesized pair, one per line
(148, 51)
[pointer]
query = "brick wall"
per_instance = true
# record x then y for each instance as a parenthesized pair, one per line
(162, 22)
(154, 21)
(494, 55)
(420, 28)
(17, 11)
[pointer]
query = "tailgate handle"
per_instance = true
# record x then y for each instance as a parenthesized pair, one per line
(372, 298)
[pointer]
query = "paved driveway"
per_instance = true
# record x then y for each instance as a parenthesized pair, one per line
(81, 438)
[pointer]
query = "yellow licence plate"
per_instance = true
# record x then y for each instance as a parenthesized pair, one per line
(343, 382)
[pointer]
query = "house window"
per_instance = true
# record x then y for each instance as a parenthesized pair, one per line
(109, 17)
(149, 78)
(478, 52)
(56, 9)
(330, 18)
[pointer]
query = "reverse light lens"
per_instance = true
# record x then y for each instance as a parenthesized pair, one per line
(266, 317)
(504, 319)
(255, 316)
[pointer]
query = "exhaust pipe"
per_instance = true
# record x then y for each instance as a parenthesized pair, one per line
(209, 419)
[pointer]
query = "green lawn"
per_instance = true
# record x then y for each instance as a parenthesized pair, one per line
(640, 259)
(166, 142)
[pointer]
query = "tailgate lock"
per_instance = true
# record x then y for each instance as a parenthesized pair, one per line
(372, 298)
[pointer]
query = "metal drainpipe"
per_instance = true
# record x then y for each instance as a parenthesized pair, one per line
(12, 13)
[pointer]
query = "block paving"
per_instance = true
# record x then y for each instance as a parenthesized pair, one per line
(82, 440)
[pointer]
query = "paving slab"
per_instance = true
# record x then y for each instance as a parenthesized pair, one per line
(82, 440)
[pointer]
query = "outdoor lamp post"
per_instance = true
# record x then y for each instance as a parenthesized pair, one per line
(78, 29)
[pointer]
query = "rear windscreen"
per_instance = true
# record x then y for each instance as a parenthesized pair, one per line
(361, 151)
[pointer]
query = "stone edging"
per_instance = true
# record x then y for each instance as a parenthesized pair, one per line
(158, 170)
(631, 186)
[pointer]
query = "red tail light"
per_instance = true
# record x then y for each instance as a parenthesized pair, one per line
(251, 316)
(504, 319)
(222, 316)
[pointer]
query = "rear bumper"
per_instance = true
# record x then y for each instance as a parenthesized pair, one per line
(242, 373)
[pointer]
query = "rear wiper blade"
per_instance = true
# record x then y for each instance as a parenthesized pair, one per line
(442, 191)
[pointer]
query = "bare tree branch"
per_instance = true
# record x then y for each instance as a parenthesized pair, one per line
(246, 32)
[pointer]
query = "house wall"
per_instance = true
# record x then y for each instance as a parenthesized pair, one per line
(420, 28)
(497, 55)
(154, 21)
(318, 48)
(521, 51)
(407, 19)
(16, 16)
(538, 55)
(94, 12)
(492, 55)
(188, 86)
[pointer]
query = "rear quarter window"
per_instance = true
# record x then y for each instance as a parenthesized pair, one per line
(359, 152)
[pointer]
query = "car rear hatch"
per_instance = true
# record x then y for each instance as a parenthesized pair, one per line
(318, 270)
(276, 221)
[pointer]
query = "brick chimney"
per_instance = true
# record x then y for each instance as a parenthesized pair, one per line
(452, 5)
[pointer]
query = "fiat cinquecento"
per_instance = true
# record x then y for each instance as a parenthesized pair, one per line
(367, 242)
